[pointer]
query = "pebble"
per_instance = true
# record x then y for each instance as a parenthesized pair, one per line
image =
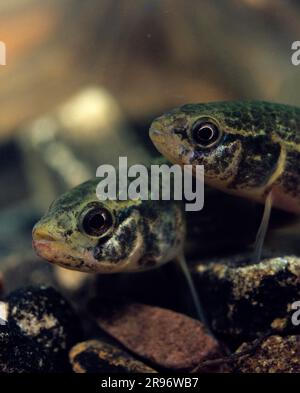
(243, 299)
(42, 315)
(275, 354)
(19, 354)
(163, 337)
(96, 356)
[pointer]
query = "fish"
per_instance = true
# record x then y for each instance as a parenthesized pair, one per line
(84, 233)
(249, 149)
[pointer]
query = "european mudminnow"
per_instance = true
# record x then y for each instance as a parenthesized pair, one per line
(248, 148)
(80, 232)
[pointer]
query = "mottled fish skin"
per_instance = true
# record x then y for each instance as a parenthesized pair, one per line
(259, 149)
(145, 234)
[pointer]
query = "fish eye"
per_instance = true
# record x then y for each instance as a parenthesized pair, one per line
(96, 221)
(205, 133)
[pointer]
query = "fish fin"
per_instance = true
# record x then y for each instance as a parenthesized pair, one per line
(190, 282)
(262, 230)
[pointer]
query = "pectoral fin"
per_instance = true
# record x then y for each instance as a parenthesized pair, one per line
(190, 282)
(262, 230)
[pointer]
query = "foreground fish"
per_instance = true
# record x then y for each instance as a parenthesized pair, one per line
(248, 148)
(80, 232)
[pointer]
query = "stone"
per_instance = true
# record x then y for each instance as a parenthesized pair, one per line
(96, 356)
(42, 315)
(243, 299)
(275, 354)
(19, 354)
(166, 338)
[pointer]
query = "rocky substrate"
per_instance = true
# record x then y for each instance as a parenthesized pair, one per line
(249, 307)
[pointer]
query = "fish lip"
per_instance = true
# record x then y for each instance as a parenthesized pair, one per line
(42, 245)
(155, 131)
(157, 137)
(44, 241)
(45, 237)
(41, 234)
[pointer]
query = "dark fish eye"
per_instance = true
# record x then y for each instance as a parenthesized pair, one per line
(96, 221)
(205, 133)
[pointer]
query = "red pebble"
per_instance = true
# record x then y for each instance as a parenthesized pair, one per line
(167, 338)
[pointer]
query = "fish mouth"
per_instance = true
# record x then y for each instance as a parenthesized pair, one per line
(53, 249)
(166, 145)
(56, 253)
(46, 249)
(154, 132)
(158, 138)
(44, 242)
(41, 233)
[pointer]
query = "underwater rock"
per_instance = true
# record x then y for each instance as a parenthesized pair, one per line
(275, 354)
(164, 337)
(95, 356)
(42, 315)
(19, 354)
(246, 299)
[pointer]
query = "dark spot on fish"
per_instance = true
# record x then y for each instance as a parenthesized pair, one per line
(120, 248)
(103, 240)
(181, 132)
(258, 161)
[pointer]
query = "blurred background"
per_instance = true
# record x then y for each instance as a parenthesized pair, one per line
(84, 79)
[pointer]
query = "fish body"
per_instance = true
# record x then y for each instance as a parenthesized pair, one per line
(248, 148)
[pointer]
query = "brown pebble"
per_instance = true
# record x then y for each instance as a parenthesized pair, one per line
(275, 354)
(164, 337)
(95, 356)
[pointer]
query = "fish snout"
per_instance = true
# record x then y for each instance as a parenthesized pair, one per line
(155, 131)
(41, 232)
